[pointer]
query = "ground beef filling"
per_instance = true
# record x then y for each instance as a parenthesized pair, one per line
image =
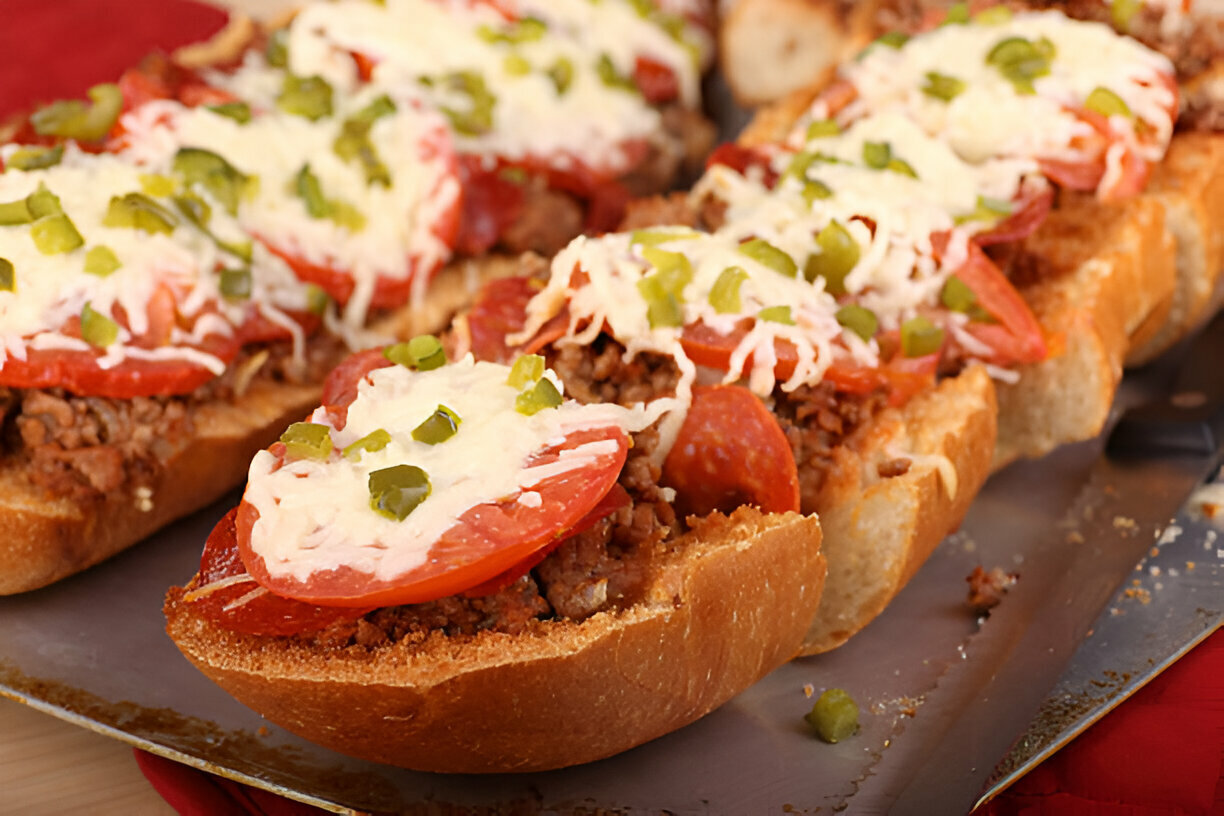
(83, 448)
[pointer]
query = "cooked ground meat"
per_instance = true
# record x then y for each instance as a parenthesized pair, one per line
(598, 373)
(658, 210)
(84, 447)
(548, 221)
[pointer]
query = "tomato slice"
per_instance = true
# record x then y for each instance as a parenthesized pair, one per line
(485, 541)
(655, 80)
(225, 594)
(730, 452)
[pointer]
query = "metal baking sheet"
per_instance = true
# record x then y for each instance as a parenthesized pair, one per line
(930, 677)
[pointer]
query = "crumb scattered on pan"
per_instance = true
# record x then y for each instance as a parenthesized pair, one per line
(986, 589)
(1125, 525)
(1075, 537)
(808, 690)
(263, 731)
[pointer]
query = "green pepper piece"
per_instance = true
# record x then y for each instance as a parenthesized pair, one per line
(662, 307)
(235, 284)
(527, 29)
(877, 155)
(540, 396)
(346, 215)
(139, 211)
(56, 234)
(858, 319)
(15, 212)
(371, 442)
(561, 73)
(610, 76)
(35, 158)
(987, 209)
(398, 490)
(674, 270)
(353, 142)
(8, 276)
(378, 107)
(1107, 103)
(73, 119)
(839, 253)
(776, 314)
(903, 167)
(834, 716)
(438, 427)
(527, 369)
(725, 293)
(816, 190)
(997, 15)
(654, 237)
(920, 337)
(194, 209)
(516, 65)
(216, 175)
(316, 299)
(478, 117)
(797, 167)
(309, 97)
(1123, 12)
(957, 296)
(892, 39)
(42, 202)
(822, 128)
(306, 185)
(308, 440)
(97, 329)
(101, 261)
(277, 50)
(1021, 61)
(942, 86)
(240, 112)
(157, 185)
(769, 255)
(423, 352)
(958, 14)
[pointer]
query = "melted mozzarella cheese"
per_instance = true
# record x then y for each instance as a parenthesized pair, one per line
(53, 289)
(315, 516)
(399, 235)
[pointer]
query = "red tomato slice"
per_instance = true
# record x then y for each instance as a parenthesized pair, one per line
(486, 540)
(655, 80)
(730, 452)
(226, 595)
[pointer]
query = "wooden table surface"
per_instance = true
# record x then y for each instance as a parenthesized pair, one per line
(51, 766)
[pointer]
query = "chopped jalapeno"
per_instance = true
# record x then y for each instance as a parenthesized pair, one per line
(97, 329)
(610, 76)
(309, 97)
(662, 307)
(373, 441)
(157, 185)
(516, 65)
(194, 209)
(674, 269)
(858, 319)
(240, 112)
(306, 185)
(8, 276)
(561, 73)
(42, 202)
(316, 299)
(15, 212)
(308, 440)
(139, 211)
(987, 209)
(101, 261)
(235, 284)
(478, 117)
(877, 155)
(354, 140)
(440, 426)
(957, 14)
(423, 352)
(74, 119)
(527, 29)
(56, 234)
(398, 490)
(821, 128)
(815, 190)
(839, 253)
(277, 50)
(527, 369)
(942, 86)
(725, 293)
(776, 314)
(222, 181)
(798, 166)
(1123, 11)
(1021, 61)
(654, 237)
(1107, 103)
(997, 15)
(892, 39)
(380, 106)
(957, 296)
(903, 167)
(920, 337)
(540, 396)
(347, 216)
(514, 175)
(35, 158)
(834, 716)
(769, 255)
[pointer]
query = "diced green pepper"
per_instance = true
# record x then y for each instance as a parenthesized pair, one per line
(822, 128)
(610, 76)
(1107, 103)
(1021, 61)
(235, 284)
(1123, 12)
(74, 119)
(306, 185)
(15, 212)
(987, 209)
(309, 97)
(56, 234)
(139, 211)
(347, 216)
(354, 140)
(816, 190)
(277, 50)
(958, 14)
(892, 39)
(957, 296)
(308, 440)
(101, 261)
(371, 442)
(942, 86)
(42, 202)
(725, 293)
(516, 65)
(769, 255)
(423, 352)
(920, 337)
(240, 112)
(654, 237)
(996, 15)
(216, 175)
(97, 329)
(527, 29)
(561, 73)
(35, 158)
(378, 107)
(776, 314)
(839, 253)
(877, 155)
(662, 306)
(317, 299)
(540, 396)
(398, 490)
(834, 716)
(674, 270)
(478, 117)
(858, 319)
(527, 369)
(8, 276)
(438, 427)
(157, 185)
(903, 167)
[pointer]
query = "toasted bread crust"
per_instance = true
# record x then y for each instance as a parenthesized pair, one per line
(730, 606)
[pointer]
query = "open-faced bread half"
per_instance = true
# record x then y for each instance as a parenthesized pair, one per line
(729, 604)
